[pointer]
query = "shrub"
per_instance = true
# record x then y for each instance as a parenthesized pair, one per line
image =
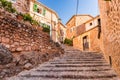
(46, 28)
(7, 6)
(4, 3)
(27, 17)
(68, 41)
(34, 22)
(13, 10)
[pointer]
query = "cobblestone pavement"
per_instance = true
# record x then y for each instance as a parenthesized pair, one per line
(73, 65)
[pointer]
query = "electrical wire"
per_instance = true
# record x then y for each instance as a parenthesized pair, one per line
(77, 7)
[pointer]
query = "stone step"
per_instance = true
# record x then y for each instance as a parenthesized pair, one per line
(64, 60)
(83, 58)
(82, 62)
(74, 65)
(72, 70)
(83, 65)
(71, 75)
(44, 78)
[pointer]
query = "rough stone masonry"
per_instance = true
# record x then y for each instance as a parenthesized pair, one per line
(110, 18)
(22, 46)
(18, 36)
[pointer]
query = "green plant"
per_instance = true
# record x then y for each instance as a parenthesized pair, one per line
(27, 17)
(20, 14)
(3, 3)
(34, 22)
(46, 28)
(7, 6)
(68, 41)
(13, 10)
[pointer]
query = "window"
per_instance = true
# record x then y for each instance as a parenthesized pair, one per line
(99, 22)
(90, 24)
(39, 10)
(35, 8)
(44, 12)
(99, 28)
(71, 30)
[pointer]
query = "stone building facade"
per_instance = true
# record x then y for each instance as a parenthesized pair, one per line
(61, 32)
(110, 19)
(41, 13)
(87, 39)
(73, 23)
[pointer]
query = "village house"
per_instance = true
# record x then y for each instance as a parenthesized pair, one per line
(72, 24)
(61, 32)
(88, 38)
(41, 13)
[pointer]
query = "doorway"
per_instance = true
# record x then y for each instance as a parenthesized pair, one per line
(85, 43)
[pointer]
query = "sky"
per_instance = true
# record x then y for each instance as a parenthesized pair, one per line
(67, 8)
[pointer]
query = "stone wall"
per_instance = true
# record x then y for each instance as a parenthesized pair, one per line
(17, 36)
(22, 6)
(110, 18)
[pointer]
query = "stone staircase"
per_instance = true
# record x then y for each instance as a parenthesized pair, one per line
(74, 65)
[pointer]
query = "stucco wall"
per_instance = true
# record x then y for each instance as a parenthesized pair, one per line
(93, 40)
(73, 23)
(94, 23)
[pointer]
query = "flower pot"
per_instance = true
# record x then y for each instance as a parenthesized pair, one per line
(20, 17)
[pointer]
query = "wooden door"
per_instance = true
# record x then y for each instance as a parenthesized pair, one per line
(85, 43)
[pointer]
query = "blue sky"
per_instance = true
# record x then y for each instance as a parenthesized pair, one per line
(67, 8)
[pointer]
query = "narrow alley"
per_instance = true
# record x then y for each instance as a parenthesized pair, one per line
(73, 65)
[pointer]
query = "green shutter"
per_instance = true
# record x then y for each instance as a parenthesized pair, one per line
(35, 7)
(44, 12)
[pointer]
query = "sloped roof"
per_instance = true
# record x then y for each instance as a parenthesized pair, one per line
(78, 16)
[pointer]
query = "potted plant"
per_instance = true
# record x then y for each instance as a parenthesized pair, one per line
(19, 16)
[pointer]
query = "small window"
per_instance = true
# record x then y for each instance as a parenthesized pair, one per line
(70, 30)
(99, 28)
(99, 22)
(73, 29)
(38, 10)
(90, 24)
